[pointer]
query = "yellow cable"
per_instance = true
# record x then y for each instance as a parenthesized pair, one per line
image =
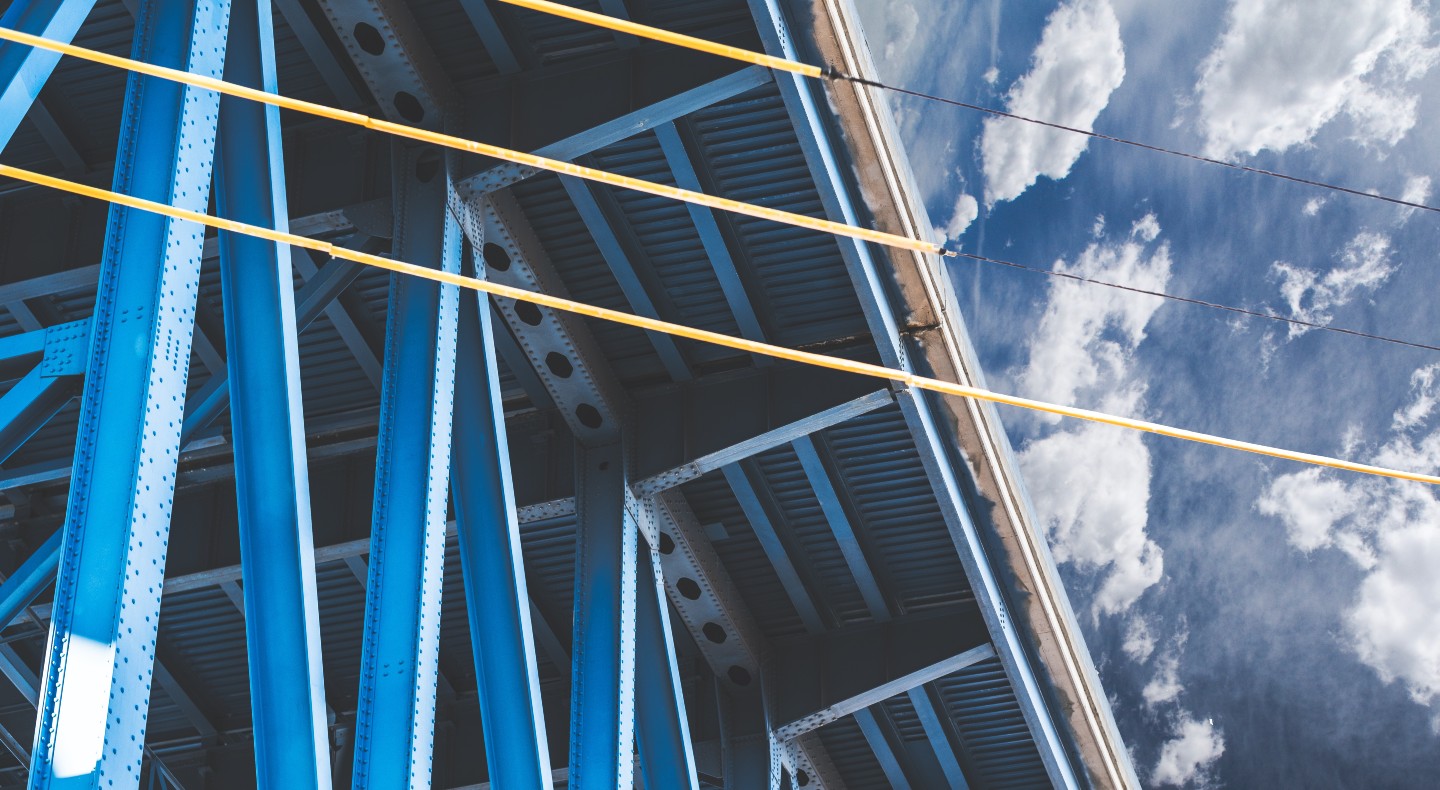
(472, 146)
(657, 34)
(701, 335)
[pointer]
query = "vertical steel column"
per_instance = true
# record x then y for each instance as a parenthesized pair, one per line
(91, 728)
(602, 696)
(496, 597)
(24, 70)
(395, 720)
(666, 758)
(277, 549)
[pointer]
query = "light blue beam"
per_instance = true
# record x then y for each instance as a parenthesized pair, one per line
(496, 597)
(666, 757)
(24, 70)
(626, 126)
(277, 547)
(879, 742)
(395, 719)
(488, 28)
(841, 516)
(618, 256)
(686, 177)
(602, 697)
(934, 726)
(91, 728)
(819, 147)
(760, 512)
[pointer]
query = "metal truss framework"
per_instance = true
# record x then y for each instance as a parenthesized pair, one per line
(654, 598)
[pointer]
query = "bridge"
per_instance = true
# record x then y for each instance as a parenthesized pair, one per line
(279, 519)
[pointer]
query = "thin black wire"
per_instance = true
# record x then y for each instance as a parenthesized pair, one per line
(840, 75)
(1188, 300)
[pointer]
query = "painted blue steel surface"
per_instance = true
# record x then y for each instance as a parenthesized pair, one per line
(834, 191)
(27, 406)
(716, 248)
(30, 579)
(24, 70)
(496, 592)
(395, 719)
(602, 699)
(760, 512)
(992, 728)
(282, 621)
(107, 596)
(934, 727)
(667, 759)
(879, 743)
(841, 521)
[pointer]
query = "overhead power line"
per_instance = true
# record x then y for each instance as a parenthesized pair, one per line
(627, 182)
(703, 335)
(833, 73)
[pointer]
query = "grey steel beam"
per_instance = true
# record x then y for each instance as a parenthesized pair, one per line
(785, 434)
(884, 691)
(487, 26)
(342, 319)
(937, 733)
(879, 735)
(845, 522)
(760, 509)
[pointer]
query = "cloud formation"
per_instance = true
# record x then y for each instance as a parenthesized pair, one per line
(1079, 62)
(1364, 266)
(1284, 68)
(1090, 483)
(1391, 531)
(1194, 747)
(967, 208)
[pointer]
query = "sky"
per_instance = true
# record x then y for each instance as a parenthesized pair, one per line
(1255, 623)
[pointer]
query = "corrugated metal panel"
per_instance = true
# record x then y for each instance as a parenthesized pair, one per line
(992, 729)
(886, 480)
(852, 756)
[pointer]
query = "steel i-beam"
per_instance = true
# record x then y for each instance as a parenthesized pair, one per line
(277, 548)
(24, 70)
(395, 719)
(496, 597)
(91, 728)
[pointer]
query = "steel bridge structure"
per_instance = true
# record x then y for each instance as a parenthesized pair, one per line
(272, 520)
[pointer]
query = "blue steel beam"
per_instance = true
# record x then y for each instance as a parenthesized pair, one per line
(277, 546)
(496, 598)
(934, 727)
(667, 759)
(716, 248)
(820, 152)
(785, 434)
(618, 255)
(878, 737)
(840, 514)
(395, 717)
(91, 728)
(28, 405)
(625, 126)
(602, 699)
(24, 70)
(760, 511)
(488, 28)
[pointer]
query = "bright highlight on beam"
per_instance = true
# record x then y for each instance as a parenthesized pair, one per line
(702, 335)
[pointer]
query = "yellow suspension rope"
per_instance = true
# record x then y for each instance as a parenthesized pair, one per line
(704, 336)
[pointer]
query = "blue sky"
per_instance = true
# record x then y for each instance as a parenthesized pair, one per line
(1255, 623)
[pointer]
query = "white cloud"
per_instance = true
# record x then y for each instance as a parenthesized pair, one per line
(1165, 686)
(1312, 206)
(1391, 531)
(1139, 643)
(1091, 483)
(1079, 62)
(1417, 190)
(991, 75)
(902, 23)
(967, 208)
(1194, 747)
(1365, 265)
(1087, 335)
(1284, 68)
